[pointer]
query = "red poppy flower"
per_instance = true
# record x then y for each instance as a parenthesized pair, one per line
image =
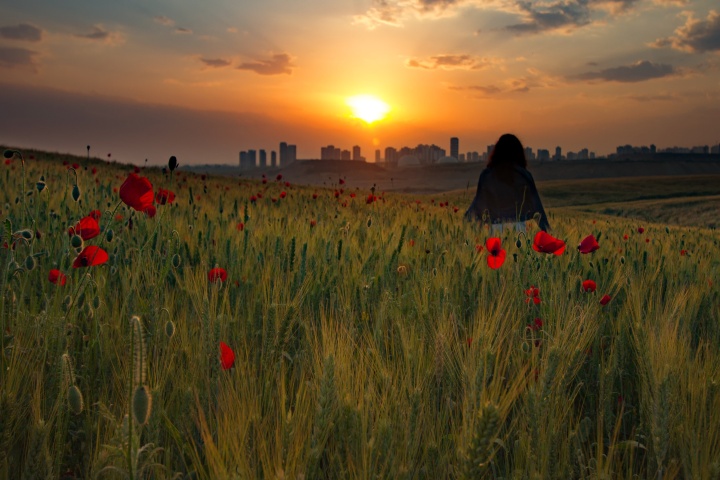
(91, 256)
(342, 182)
(136, 169)
(87, 228)
(478, 248)
(287, 184)
(589, 285)
(8, 161)
(118, 218)
(76, 166)
(533, 293)
(496, 254)
(227, 356)
(94, 171)
(264, 181)
(641, 230)
(546, 243)
(163, 196)
(150, 211)
(240, 226)
(536, 325)
(625, 237)
(96, 214)
(136, 192)
(352, 195)
(588, 244)
(279, 177)
(253, 199)
(411, 243)
(605, 300)
(313, 223)
(683, 253)
(57, 277)
(216, 274)
(469, 341)
(314, 196)
(283, 194)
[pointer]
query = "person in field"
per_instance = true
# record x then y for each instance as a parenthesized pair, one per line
(506, 191)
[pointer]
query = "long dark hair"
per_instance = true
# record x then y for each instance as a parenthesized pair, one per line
(506, 154)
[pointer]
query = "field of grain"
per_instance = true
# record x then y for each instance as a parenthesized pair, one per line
(260, 329)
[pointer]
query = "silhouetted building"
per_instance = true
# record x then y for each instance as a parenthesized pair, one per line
(263, 158)
(455, 147)
(273, 158)
(543, 155)
(356, 153)
(291, 153)
(377, 155)
(345, 155)
(283, 154)
(558, 154)
(391, 155)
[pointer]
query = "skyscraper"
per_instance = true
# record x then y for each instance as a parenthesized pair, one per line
(283, 154)
(263, 158)
(455, 148)
(273, 158)
(291, 153)
(356, 153)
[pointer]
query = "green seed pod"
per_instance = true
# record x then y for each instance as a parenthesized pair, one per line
(622, 260)
(76, 193)
(40, 186)
(142, 404)
(109, 235)
(176, 261)
(518, 243)
(96, 302)
(75, 400)
(76, 241)
(169, 329)
(30, 263)
(26, 234)
(667, 229)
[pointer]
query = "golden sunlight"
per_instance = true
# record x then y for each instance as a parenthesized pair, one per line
(368, 108)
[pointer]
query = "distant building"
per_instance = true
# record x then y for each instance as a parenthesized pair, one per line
(377, 156)
(391, 155)
(263, 158)
(462, 158)
(291, 153)
(584, 154)
(455, 147)
(283, 154)
(558, 153)
(247, 159)
(356, 153)
(529, 155)
(345, 155)
(330, 153)
(273, 158)
(543, 155)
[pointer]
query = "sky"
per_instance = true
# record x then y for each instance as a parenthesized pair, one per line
(203, 80)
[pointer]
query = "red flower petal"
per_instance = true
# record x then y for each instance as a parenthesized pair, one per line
(227, 356)
(588, 245)
(216, 274)
(57, 277)
(546, 243)
(493, 245)
(91, 256)
(136, 192)
(87, 228)
(496, 261)
(589, 285)
(605, 300)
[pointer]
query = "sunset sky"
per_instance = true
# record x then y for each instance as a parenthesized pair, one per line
(204, 80)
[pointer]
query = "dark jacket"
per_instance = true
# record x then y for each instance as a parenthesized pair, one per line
(497, 201)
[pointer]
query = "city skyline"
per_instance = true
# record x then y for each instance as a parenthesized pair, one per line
(145, 80)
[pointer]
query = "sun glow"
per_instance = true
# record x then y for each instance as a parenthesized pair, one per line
(368, 108)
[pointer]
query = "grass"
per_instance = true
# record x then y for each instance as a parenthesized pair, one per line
(374, 343)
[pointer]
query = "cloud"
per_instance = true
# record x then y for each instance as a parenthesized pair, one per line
(22, 31)
(637, 72)
(562, 15)
(394, 12)
(12, 57)
(480, 91)
(163, 20)
(100, 34)
(215, 62)
(183, 30)
(451, 62)
(696, 36)
(277, 65)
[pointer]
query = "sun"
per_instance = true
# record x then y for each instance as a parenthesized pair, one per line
(368, 108)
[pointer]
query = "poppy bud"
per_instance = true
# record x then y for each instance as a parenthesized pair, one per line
(169, 329)
(96, 302)
(40, 186)
(76, 193)
(518, 243)
(176, 260)
(109, 235)
(76, 241)
(172, 163)
(30, 263)
(26, 234)
(8, 154)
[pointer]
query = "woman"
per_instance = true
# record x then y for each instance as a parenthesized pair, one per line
(506, 191)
